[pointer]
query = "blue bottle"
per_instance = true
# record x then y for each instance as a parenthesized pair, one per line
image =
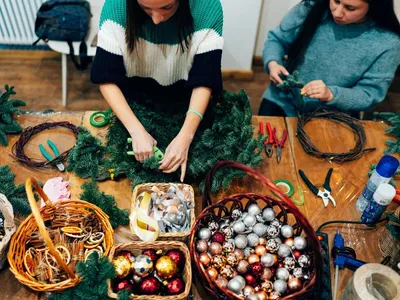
(382, 197)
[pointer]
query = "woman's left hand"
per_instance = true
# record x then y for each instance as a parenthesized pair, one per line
(176, 154)
(317, 89)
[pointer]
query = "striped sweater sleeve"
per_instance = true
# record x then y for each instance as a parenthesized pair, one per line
(208, 25)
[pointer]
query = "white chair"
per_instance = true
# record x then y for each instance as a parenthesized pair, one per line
(63, 48)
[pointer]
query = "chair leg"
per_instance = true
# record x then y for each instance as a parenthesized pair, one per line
(64, 79)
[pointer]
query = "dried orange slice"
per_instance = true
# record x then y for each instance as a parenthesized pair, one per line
(64, 253)
(30, 260)
(71, 230)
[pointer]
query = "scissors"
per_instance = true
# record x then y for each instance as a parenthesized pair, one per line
(157, 152)
(60, 165)
(326, 194)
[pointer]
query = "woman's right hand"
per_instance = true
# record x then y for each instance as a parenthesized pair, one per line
(142, 144)
(275, 70)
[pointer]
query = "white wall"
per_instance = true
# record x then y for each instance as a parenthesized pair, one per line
(397, 7)
(241, 19)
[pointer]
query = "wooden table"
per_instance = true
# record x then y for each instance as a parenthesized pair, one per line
(327, 136)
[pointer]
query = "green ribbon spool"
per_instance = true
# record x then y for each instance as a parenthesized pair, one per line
(104, 119)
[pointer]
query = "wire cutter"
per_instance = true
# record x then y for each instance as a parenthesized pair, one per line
(326, 194)
(60, 165)
(270, 142)
(279, 144)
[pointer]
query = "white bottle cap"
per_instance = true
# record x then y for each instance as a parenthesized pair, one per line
(384, 194)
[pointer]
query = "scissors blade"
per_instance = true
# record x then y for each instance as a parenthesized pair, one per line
(332, 200)
(325, 200)
(60, 167)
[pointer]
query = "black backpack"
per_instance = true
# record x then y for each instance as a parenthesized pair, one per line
(65, 20)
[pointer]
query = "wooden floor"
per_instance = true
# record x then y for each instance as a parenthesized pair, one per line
(38, 83)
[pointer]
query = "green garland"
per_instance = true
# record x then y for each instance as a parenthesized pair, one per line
(393, 119)
(290, 84)
(7, 109)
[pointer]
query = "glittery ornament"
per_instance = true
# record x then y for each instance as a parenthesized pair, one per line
(296, 254)
(263, 241)
(289, 263)
(267, 274)
(222, 282)
(260, 218)
(215, 248)
(295, 285)
(248, 290)
(250, 279)
(276, 223)
(177, 256)
(232, 259)
(242, 266)
(149, 286)
(249, 220)
(272, 246)
(253, 239)
(143, 265)
(280, 286)
(166, 267)
(284, 250)
(201, 246)
(229, 246)
(248, 251)
(204, 234)
(235, 285)
(267, 286)
(251, 297)
(274, 296)
(262, 295)
(236, 214)
(254, 210)
(300, 243)
(272, 232)
(213, 226)
(205, 259)
(256, 269)
(268, 260)
(282, 273)
(241, 241)
(218, 237)
(213, 273)
(254, 258)
(260, 229)
(122, 266)
(123, 285)
(298, 272)
(239, 254)
(238, 227)
(268, 214)
(287, 231)
(218, 261)
(304, 261)
(227, 231)
(260, 250)
(289, 242)
(151, 253)
(226, 271)
(175, 286)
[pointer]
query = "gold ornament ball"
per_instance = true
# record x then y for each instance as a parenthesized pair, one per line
(262, 295)
(260, 250)
(166, 267)
(248, 290)
(262, 241)
(213, 273)
(232, 259)
(205, 259)
(295, 285)
(226, 271)
(218, 261)
(289, 242)
(122, 266)
(253, 258)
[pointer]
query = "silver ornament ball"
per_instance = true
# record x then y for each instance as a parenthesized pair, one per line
(304, 261)
(260, 229)
(284, 250)
(260, 218)
(241, 241)
(241, 280)
(254, 210)
(268, 214)
(282, 274)
(280, 286)
(300, 243)
(278, 240)
(238, 227)
(298, 272)
(204, 234)
(249, 220)
(235, 285)
(267, 260)
(287, 231)
(253, 239)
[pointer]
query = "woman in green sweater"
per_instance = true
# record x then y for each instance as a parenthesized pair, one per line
(346, 51)
(165, 55)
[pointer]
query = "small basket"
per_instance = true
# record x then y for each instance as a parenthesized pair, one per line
(389, 245)
(164, 236)
(137, 247)
(35, 221)
(9, 227)
(286, 212)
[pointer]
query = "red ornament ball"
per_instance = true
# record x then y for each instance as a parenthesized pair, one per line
(256, 269)
(250, 279)
(149, 286)
(296, 254)
(177, 256)
(218, 237)
(175, 286)
(127, 254)
(151, 253)
(123, 285)
(281, 265)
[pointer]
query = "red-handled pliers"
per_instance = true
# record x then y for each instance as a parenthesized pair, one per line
(279, 144)
(397, 197)
(270, 141)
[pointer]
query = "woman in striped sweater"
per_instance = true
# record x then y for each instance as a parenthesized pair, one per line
(166, 55)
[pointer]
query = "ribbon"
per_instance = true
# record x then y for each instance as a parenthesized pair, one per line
(140, 221)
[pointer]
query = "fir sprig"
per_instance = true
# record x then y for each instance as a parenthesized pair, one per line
(393, 119)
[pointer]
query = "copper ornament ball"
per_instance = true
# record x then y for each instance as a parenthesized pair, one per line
(242, 266)
(267, 274)
(215, 248)
(253, 258)
(289, 242)
(205, 259)
(201, 246)
(213, 273)
(248, 290)
(262, 295)
(262, 241)
(250, 279)
(260, 250)
(239, 253)
(295, 285)
(222, 282)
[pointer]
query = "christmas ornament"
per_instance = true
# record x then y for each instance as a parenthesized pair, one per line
(128, 255)
(260, 218)
(262, 295)
(213, 226)
(235, 273)
(260, 229)
(253, 239)
(229, 246)
(218, 237)
(268, 214)
(248, 290)
(177, 256)
(263, 241)
(241, 242)
(175, 286)
(300, 243)
(213, 273)
(298, 272)
(276, 223)
(250, 279)
(227, 231)
(251, 297)
(239, 254)
(201, 246)
(232, 259)
(256, 269)
(274, 296)
(304, 261)
(215, 248)
(222, 282)
(278, 240)
(142, 265)
(123, 285)
(249, 220)
(236, 284)
(296, 254)
(289, 242)
(272, 232)
(282, 273)
(267, 274)
(248, 251)
(287, 231)
(226, 271)
(204, 234)
(218, 261)
(267, 286)
(260, 250)
(289, 263)
(236, 214)
(254, 210)
(254, 258)
(272, 245)
(136, 278)
(205, 259)
(242, 266)
(268, 260)
(284, 250)
(166, 267)
(122, 266)
(149, 286)
(238, 227)
(295, 285)
(280, 286)
(152, 254)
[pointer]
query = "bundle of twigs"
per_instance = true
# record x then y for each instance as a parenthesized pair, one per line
(337, 117)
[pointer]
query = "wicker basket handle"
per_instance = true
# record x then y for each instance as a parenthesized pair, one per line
(40, 223)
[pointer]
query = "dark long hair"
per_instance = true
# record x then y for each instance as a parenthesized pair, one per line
(136, 17)
(380, 11)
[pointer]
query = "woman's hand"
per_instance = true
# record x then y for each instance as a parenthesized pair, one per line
(317, 89)
(142, 144)
(176, 154)
(275, 70)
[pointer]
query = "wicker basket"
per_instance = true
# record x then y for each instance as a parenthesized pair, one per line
(389, 245)
(9, 227)
(137, 248)
(164, 236)
(286, 212)
(35, 221)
